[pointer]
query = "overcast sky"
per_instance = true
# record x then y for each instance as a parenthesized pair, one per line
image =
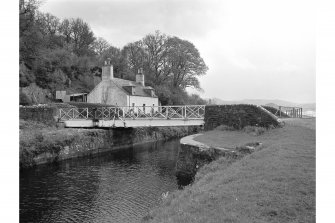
(259, 49)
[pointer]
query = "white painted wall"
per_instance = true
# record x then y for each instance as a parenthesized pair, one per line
(139, 101)
(106, 92)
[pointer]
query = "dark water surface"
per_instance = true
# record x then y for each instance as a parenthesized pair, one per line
(113, 187)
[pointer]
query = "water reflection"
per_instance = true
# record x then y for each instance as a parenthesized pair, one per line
(113, 187)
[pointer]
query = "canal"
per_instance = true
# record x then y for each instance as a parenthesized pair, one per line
(112, 187)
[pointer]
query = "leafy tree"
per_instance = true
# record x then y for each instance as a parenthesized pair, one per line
(57, 80)
(30, 35)
(87, 81)
(51, 60)
(186, 63)
(26, 76)
(164, 94)
(81, 36)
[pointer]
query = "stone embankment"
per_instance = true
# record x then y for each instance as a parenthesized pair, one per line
(50, 144)
(194, 155)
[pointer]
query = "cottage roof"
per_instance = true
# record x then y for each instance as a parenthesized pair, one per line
(139, 89)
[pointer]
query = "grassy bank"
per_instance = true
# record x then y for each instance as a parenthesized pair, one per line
(273, 184)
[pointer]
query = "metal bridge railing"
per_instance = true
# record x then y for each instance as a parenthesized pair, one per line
(135, 112)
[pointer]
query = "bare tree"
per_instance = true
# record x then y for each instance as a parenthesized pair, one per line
(48, 23)
(155, 48)
(100, 45)
(134, 56)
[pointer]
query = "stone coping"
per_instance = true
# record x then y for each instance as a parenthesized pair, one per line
(189, 140)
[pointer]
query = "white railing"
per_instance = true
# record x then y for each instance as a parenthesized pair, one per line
(135, 112)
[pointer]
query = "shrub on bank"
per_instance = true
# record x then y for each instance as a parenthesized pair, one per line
(24, 99)
(46, 115)
(27, 124)
(255, 130)
(225, 128)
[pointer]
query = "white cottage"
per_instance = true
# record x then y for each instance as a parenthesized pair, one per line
(120, 92)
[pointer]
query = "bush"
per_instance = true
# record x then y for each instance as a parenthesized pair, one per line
(26, 76)
(42, 114)
(255, 130)
(24, 99)
(28, 124)
(225, 128)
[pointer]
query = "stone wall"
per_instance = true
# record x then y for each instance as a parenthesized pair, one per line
(51, 146)
(193, 155)
(237, 116)
(190, 159)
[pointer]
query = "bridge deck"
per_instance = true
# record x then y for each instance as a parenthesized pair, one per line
(133, 116)
(82, 123)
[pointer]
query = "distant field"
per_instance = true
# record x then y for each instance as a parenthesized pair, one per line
(273, 184)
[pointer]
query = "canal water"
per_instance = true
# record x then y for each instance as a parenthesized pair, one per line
(112, 187)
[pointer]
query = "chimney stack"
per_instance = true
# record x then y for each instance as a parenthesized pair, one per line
(107, 71)
(140, 77)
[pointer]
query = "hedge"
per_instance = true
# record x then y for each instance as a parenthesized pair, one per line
(237, 116)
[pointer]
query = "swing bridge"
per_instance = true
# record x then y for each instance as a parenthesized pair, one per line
(134, 116)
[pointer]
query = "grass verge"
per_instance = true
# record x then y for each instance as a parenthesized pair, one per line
(274, 184)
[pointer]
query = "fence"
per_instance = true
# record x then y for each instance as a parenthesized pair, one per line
(293, 112)
(135, 112)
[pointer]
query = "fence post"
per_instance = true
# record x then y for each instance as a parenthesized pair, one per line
(86, 113)
(185, 112)
(167, 112)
